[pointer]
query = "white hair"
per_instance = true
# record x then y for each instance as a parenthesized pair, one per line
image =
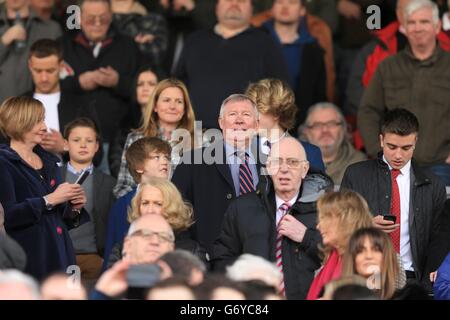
(236, 98)
(251, 267)
(325, 106)
(17, 277)
(415, 5)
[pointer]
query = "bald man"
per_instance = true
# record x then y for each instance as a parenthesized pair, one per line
(279, 217)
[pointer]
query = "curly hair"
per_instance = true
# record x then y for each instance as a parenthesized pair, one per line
(177, 212)
(274, 97)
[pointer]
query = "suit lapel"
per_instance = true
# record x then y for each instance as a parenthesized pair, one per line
(224, 169)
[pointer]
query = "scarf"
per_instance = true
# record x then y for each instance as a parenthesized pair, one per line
(331, 271)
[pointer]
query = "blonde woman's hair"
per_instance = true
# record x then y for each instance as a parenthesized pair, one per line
(18, 115)
(177, 212)
(274, 97)
(390, 269)
(351, 211)
(149, 127)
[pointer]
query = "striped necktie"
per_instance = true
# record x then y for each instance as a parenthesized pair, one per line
(279, 248)
(245, 176)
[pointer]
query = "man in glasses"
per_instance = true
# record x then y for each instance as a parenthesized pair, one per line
(278, 223)
(326, 128)
(100, 65)
(148, 239)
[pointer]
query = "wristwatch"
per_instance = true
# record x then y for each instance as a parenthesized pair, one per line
(48, 205)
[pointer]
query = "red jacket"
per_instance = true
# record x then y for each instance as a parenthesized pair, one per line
(388, 46)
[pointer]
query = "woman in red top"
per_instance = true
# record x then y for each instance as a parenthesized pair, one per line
(340, 214)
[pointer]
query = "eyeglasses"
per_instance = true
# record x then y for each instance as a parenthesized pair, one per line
(292, 163)
(147, 235)
(91, 20)
(320, 125)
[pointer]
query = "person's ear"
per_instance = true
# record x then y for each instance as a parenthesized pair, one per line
(66, 145)
(305, 169)
(381, 141)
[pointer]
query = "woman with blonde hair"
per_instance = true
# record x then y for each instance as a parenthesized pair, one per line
(39, 207)
(169, 109)
(370, 254)
(340, 214)
(275, 102)
(160, 196)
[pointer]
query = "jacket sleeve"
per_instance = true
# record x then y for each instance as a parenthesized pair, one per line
(439, 233)
(275, 66)
(227, 246)
(371, 112)
(18, 214)
(355, 88)
(346, 182)
(310, 243)
(182, 178)
(320, 87)
(111, 233)
(441, 287)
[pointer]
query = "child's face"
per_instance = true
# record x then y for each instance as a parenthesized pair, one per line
(82, 145)
(156, 165)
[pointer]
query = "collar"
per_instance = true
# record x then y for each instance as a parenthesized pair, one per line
(427, 62)
(280, 201)
(85, 42)
(304, 36)
(74, 171)
(217, 32)
(446, 22)
(404, 171)
(230, 152)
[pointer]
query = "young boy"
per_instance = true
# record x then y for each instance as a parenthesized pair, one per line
(146, 157)
(82, 142)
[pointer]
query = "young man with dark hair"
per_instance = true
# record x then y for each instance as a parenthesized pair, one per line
(82, 143)
(395, 186)
(45, 63)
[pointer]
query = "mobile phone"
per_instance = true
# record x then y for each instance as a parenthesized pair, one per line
(390, 217)
(82, 178)
(140, 278)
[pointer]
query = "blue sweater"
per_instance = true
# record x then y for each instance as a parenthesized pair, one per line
(117, 224)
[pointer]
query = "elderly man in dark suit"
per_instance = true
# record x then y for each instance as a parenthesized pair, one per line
(278, 222)
(210, 178)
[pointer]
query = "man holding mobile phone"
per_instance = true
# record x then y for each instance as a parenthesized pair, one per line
(407, 202)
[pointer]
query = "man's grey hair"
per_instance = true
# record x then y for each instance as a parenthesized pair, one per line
(133, 226)
(415, 5)
(325, 106)
(13, 276)
(237, 97)
(251, 267)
